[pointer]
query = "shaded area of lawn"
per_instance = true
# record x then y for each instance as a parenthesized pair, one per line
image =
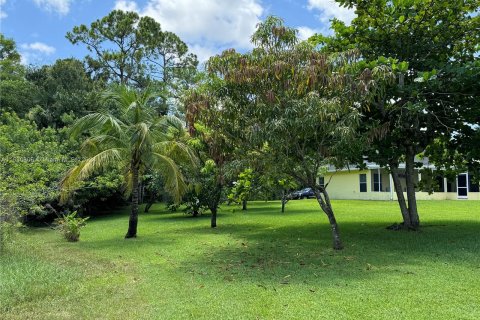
(257, 264)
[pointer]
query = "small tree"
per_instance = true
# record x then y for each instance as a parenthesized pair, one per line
(295, 102)
(69, 225)
(215, 148)
(286, 185)
(136, 141)
(436, 44)
(243, 188)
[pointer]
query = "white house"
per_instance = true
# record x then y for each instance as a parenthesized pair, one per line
(375, 183)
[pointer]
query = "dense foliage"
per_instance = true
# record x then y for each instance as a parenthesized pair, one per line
(435, 44)
(399, 83)
(32, 163)
(43, 105)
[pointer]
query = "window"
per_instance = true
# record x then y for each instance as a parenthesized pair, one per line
(321, 181)
(377, 182)
(473, 186)
(363, 182)
(440, 185)
(451, 186)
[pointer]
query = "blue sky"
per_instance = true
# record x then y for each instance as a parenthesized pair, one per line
(207, 26)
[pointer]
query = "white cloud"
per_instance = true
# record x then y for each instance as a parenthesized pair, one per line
(219, 21)
(204, 52)
(38, 47)
(126, 5)
(207, 25)
(330, 9)
(26, 58)
(62, 7)
(35, 52)
(305, 32)
(2, 5)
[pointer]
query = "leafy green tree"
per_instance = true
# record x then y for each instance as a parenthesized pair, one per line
(457, 153)
(135, 142)
(134, 50)
(167, 58)
(243, 188)
(215, 152)
(204, 192)
(65, 93)
(99, 192)
(216, 149)
(291, 100)
(17, 94)
(267, 182)
(10, 66)
(433, 43)
(32, 162)
(8, 49)
(115, 42)
(286, 184)
(153, 189)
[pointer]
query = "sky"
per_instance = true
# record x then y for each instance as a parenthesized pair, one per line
(207, 26)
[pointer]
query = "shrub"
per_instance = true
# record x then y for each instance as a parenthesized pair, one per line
(7, 229)
(70, 225)
(9, 221)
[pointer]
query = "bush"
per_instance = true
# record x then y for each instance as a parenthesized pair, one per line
(70, 225)
(9, 221)
(6, 232)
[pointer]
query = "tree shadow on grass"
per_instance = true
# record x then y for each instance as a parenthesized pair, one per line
(303, 252)
(225, 211)
(265, 251)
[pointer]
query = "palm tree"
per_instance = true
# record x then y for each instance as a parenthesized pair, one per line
(136, 140)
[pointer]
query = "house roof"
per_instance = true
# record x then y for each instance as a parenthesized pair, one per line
(373, 165)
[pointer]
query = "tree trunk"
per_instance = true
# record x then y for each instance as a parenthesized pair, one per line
(244, 205)
(399, 191)
(326, 206)
(151, 201)
(411, 196)
(148, 206)
(284, 198)
(213, 221)
(132, 223)
(213, 205)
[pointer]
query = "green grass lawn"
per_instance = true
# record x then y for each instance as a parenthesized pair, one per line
(256, 265)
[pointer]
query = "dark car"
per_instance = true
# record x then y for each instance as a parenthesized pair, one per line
(302, 194)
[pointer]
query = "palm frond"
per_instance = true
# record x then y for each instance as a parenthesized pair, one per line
(174, 122)
(122, 96)
(95, 144)
(87, 167)
(174, 181)
(97, 121)
(143, 134)
(177, 150)
(139, 136)
(169, 127)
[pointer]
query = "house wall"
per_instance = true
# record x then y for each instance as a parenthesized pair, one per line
(346, 185)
